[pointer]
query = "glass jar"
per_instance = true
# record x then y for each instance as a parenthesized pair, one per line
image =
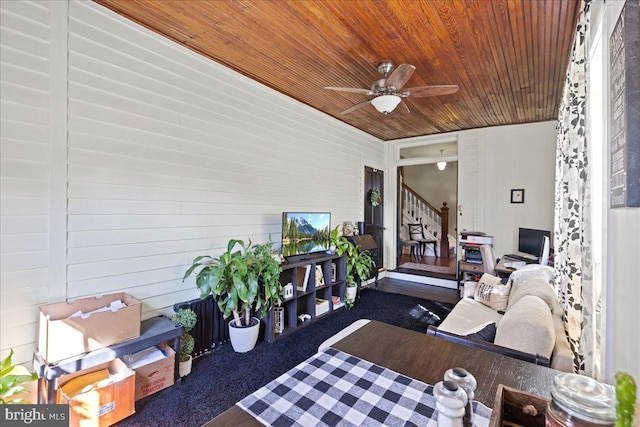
(580, 401)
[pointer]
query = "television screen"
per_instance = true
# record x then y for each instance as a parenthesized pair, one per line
(531, 241)
(305, 232)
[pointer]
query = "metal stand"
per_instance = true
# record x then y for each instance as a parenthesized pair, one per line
(152, 331)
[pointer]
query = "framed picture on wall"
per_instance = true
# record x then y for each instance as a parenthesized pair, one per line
(517, 195)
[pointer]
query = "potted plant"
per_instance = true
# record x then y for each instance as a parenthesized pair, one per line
(244, 281)
(359, 265)
(334, 237)
(12, 381)
(186, 318)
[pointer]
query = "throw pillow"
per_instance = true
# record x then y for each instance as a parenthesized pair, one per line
(492, 293)
(488, 333)
(532, 270)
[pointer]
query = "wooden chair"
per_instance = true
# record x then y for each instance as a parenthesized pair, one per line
(414, 246)
(416, 231)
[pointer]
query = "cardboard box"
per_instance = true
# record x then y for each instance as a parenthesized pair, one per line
(60, 337)
(104, 405)
(156, 376)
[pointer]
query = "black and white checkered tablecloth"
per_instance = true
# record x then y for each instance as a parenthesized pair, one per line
(333, 388)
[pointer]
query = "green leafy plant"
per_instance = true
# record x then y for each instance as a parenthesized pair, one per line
(243, 278)
(334, 236)
(375, 197)
(626, 399)
(186, 318)
(359, 263)
(12, 380)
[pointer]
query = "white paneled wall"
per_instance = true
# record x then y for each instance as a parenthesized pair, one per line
(168, 156)
(497, 159)
(24, 169)
(469, 189)
(491, 162)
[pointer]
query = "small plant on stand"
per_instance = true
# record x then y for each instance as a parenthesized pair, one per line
(186, 318)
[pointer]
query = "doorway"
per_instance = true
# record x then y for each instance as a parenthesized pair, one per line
(427, 179)
(373, 210)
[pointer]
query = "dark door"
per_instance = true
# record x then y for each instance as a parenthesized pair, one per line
(373, 220)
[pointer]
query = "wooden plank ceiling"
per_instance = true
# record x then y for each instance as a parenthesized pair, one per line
(507, 56)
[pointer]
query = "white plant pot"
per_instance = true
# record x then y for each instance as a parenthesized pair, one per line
(351, 293)
(185, 367)
(244, 339)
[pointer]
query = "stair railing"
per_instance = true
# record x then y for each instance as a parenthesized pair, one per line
(436, 220)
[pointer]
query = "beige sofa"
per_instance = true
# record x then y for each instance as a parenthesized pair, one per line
(530, 328)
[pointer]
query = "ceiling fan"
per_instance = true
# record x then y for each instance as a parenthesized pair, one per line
(388, 91)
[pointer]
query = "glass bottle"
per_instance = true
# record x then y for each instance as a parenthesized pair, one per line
(580, 401)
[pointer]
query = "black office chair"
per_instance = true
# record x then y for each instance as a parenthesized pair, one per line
(416, 231)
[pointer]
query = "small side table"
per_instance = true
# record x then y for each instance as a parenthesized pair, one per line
(468, 268)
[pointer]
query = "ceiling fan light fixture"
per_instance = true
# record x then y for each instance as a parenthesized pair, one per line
(385, 103)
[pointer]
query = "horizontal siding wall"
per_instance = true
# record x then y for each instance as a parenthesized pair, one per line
(24, 170)
(171, 155)
(167, 155)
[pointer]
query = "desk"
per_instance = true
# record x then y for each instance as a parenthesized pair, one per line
(426, 358)
(503, 271)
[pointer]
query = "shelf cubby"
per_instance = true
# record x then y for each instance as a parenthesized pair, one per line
(333, 269)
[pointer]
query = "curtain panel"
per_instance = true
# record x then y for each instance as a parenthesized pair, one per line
(572, 224)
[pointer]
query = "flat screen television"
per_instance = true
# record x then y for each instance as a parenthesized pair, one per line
(534, 243)
(305, 233)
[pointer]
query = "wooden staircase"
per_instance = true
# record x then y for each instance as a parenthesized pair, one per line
(416, 209)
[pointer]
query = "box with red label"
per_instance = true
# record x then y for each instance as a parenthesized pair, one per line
(69, 329)
(98, 396)
(155, 375)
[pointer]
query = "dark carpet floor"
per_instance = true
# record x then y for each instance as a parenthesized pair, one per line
(220, 379)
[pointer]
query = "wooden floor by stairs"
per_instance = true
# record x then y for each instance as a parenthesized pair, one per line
(427, 261)
(418, 290)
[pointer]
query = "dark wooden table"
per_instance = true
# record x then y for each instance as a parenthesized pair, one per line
(426, 358)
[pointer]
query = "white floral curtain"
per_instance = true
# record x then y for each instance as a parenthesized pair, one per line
(572, 235)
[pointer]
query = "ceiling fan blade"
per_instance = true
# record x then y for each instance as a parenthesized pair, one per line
(400, 76)
(403, 108)
(355, 107)
(436, 90)
(351, 89)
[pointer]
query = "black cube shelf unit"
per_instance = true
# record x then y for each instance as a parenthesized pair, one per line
(334, 270)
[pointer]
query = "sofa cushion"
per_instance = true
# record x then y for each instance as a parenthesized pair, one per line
(527, 326)
(467, 314)
(492, 293)
(562, 358)
(537, 287)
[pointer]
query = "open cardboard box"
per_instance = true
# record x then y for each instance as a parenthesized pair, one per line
(61, 337)
(104, 405)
